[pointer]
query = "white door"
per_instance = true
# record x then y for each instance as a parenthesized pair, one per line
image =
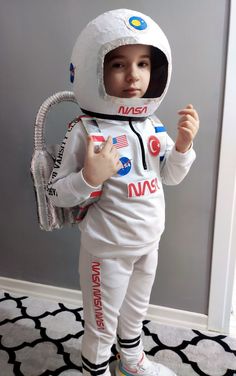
(224, 242)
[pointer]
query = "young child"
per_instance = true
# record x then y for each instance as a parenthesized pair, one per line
(121, 68)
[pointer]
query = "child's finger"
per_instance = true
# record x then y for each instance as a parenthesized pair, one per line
(119, 165)
(189, 110)
(108, 145)
(90, 150)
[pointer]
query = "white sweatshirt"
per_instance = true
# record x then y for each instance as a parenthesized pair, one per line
(130, 214)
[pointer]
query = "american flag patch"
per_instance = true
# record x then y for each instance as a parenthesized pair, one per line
(120, 141)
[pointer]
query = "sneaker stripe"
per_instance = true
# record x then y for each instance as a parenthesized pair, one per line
(123, 372)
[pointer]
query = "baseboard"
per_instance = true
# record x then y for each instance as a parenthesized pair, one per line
(38, 290)
(177, 317)
(164, 315)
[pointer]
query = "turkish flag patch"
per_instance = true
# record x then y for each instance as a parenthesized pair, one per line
(154, 146)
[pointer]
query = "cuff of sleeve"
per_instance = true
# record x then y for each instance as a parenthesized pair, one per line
(188, 155)
(79, 187)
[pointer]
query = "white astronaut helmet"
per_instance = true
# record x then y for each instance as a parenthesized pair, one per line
(108, 31)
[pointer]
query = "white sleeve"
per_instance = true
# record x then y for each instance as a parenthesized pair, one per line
(175, 165)
(67, 186)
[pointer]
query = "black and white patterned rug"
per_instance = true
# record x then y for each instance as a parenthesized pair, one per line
(43, 338)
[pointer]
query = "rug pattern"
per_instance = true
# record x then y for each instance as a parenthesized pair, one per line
(43, 338)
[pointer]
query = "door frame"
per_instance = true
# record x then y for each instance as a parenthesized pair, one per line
(224, 238)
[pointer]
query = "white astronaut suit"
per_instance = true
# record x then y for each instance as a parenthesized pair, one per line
(121, 231)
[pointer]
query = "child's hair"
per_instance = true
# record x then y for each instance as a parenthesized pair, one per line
(159, 73)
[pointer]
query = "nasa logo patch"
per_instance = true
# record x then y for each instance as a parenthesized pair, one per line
(72, 73)
(126, 166)
(154, 146)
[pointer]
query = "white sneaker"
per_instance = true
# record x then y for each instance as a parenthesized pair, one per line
(144, 368)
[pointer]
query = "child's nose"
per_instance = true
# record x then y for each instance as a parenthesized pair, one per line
(132, 74)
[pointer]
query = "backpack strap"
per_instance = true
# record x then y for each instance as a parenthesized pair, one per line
(161, 131)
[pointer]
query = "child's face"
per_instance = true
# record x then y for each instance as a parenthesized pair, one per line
(127, 71)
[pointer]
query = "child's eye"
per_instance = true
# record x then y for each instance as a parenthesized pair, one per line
(144, 64)
(117, 65)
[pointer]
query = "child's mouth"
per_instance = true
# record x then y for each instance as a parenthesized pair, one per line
(132, 91)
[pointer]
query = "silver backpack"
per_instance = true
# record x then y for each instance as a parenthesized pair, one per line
(44, 156)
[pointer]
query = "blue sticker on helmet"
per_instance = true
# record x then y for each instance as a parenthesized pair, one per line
(72, 73)
(138, 23)
(126, 166)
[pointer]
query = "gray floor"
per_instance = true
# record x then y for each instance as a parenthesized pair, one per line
(43, 338)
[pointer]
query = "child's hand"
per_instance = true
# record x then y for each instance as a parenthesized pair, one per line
(187, 128)
(100, 166)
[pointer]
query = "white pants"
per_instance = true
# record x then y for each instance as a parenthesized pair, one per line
(116, 295)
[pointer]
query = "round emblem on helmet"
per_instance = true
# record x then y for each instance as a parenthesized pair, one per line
(126, 166)
(138, 23)
(154, 146)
